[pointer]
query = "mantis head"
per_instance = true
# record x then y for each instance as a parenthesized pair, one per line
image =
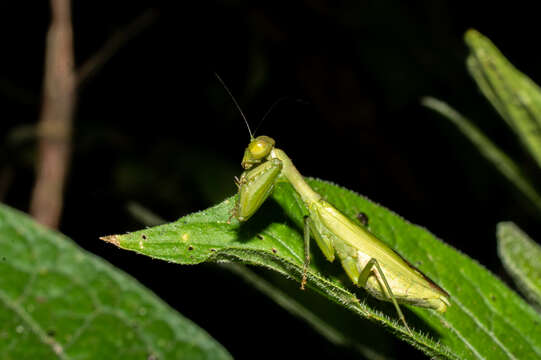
(256, 152)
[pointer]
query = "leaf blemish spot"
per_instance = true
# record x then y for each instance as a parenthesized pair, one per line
(144, 237)
(213, 250)
(190, 247)
(259, 236)
(274, 250)
(185, 237)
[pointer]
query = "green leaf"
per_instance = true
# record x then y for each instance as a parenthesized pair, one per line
(514, 95)
(486, 319)
(488, 149)
(59, 302)
(330, 320)
(521, 257)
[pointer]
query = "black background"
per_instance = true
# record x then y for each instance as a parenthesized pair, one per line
(155, 127)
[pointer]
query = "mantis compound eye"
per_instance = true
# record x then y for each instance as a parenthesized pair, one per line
(258, 149)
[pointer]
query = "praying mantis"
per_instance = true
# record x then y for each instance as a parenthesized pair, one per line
(367, 261)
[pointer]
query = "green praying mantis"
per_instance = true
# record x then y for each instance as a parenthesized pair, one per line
(367, 261)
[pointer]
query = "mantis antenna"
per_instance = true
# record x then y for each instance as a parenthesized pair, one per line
(273, 106)
(282, 99)
(236, 103)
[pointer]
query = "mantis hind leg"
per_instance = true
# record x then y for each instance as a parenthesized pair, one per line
(363, 278)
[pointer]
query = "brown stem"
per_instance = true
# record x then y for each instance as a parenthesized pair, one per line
(55, 124)
(59, 99)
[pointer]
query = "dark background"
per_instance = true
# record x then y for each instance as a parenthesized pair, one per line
(155, 127)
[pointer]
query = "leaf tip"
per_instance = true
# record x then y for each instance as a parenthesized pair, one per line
(113, 239)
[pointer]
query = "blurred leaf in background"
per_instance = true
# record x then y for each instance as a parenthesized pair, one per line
(516, 98)
(58, 301)
(521, 257)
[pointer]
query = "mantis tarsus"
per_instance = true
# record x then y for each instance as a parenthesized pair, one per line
(367, 261)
